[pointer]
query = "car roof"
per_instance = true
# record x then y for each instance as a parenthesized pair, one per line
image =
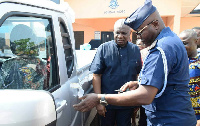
(39, 3)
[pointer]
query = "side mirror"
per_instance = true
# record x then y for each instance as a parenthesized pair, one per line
(27, 108)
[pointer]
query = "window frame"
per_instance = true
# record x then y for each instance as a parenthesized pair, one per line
(49, 18)
(67, 45)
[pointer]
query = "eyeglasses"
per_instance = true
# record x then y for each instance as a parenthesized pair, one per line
(140, 31)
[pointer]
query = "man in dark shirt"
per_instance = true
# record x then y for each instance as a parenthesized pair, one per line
(115, 63)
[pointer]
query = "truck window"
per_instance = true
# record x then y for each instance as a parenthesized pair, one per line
(69, 58)
(27, 54)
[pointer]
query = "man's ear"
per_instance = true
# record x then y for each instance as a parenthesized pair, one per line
(156, 24)
(196, 41)
(130, 33)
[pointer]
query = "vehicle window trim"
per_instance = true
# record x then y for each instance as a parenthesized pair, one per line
(24, 14)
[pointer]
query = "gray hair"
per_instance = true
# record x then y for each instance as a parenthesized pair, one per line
(120, 23)
(190, 32)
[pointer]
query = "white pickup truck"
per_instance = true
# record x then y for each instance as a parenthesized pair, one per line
(39, 78)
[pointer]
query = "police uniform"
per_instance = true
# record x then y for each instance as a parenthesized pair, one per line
(172, 107)
(166, 68)
(117, 65)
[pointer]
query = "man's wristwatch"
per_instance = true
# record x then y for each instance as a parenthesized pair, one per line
(103, 100)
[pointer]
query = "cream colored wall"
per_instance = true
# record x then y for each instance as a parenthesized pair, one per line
(189, 22)
(95, 15)
(101, 9)
(87, 9)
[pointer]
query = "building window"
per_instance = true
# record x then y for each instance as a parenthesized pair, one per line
(79, 37)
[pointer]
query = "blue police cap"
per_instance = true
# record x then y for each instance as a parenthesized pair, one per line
(136, 19)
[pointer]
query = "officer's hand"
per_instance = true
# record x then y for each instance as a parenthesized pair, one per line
(101, 110)
(88, 102)
(132, 85)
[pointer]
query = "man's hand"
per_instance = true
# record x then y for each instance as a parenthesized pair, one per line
(88, 102)
(132, 85)
(101, 110)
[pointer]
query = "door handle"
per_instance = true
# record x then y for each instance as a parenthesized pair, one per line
(60, 105)
(77, 89)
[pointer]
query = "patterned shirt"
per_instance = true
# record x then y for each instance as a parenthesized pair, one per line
(194, 84)
(23, 73)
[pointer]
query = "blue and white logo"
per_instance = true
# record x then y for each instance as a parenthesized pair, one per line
(113, 4)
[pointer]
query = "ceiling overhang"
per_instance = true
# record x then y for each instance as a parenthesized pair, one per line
(188, 6)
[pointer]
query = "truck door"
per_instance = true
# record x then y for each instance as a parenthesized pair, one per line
(31, 55)
(37, 53)
(28, 55)
(77, 81)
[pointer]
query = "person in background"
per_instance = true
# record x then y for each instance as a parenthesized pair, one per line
(197, 30)
(143, 49)
(140, 44)
(189, 39)
(162, 86)
(115, 63)
(143, 52)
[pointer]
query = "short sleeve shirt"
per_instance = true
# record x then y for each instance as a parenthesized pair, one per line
(173, 107)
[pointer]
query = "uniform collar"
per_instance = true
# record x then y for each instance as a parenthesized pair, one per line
(152, 45)
(164, 30)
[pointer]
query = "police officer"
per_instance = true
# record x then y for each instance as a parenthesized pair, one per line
(163, 80)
